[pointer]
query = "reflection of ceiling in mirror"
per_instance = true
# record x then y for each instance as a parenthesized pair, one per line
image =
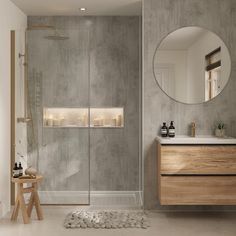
(182, 39)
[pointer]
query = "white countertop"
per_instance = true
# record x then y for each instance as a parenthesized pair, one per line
(199, 139)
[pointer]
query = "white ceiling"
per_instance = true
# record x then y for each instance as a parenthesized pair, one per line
(182, 39)
(71, 7)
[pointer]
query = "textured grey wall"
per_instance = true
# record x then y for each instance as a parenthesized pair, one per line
(107, 50)
(160, 18)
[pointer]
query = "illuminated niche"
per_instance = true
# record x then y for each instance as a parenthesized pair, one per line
(83, 117)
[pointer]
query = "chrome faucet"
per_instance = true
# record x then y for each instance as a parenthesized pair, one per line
(193, 129)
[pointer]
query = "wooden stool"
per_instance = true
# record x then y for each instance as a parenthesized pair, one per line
(34, 199)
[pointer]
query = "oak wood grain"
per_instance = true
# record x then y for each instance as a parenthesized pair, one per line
(20, 201)
(214, 162)
(159, 169)
(194, 159)
(23, 207)
(27, 181)
(198, 190)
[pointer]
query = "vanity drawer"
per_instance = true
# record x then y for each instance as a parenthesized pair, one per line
(198, 190)
(197, 159)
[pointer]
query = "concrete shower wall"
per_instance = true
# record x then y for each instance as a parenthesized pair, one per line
(106, 50)
(160, 18)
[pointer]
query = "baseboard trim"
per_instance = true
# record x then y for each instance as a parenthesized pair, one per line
(97, 198)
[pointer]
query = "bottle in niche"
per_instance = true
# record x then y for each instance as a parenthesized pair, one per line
(164, 130)
(171, 130)
(20, 169)
(15, 173)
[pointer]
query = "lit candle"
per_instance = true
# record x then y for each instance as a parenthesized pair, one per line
(119, 120)
(56, 122)
(113, 122)
(96, 122)
(50, 121)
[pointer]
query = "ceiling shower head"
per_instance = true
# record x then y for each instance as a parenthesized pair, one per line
(56, 36)
(41, 27)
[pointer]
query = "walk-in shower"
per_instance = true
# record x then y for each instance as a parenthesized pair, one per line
(83, 89)
(58, 77)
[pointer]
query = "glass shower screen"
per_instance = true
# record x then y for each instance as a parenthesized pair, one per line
(58, 142)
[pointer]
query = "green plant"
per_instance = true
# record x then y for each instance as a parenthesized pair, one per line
(220, 125)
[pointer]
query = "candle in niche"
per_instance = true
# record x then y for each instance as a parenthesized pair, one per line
(119, 120)
(56, 122)
(98, 121)
(49, 121)
(114, 122)
(61, 120)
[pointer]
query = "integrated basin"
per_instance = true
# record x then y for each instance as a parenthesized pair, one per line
(199, 139)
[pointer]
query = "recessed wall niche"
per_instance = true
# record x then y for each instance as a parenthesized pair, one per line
(79, 117)
(107, 117)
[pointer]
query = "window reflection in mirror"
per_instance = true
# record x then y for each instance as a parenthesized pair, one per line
(192, 65)
(213, 74)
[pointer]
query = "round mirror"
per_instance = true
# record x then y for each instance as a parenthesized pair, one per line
(192, 65)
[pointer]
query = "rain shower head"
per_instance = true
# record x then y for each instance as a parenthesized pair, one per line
(56, 36)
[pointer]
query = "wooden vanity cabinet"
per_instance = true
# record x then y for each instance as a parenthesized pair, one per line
(196, 174)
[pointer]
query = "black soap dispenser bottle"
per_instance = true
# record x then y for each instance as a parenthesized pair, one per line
(164, 130)
(15, 171)
(171, 130)
(20, 170)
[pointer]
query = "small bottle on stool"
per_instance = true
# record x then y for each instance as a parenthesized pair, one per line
(15, 171)
(20, 170)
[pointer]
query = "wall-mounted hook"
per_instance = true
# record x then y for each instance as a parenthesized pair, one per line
(21, 55)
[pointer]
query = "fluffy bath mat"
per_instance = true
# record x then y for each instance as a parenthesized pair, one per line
(106, 219)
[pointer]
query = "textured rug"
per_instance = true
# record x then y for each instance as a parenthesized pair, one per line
(106, 219)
